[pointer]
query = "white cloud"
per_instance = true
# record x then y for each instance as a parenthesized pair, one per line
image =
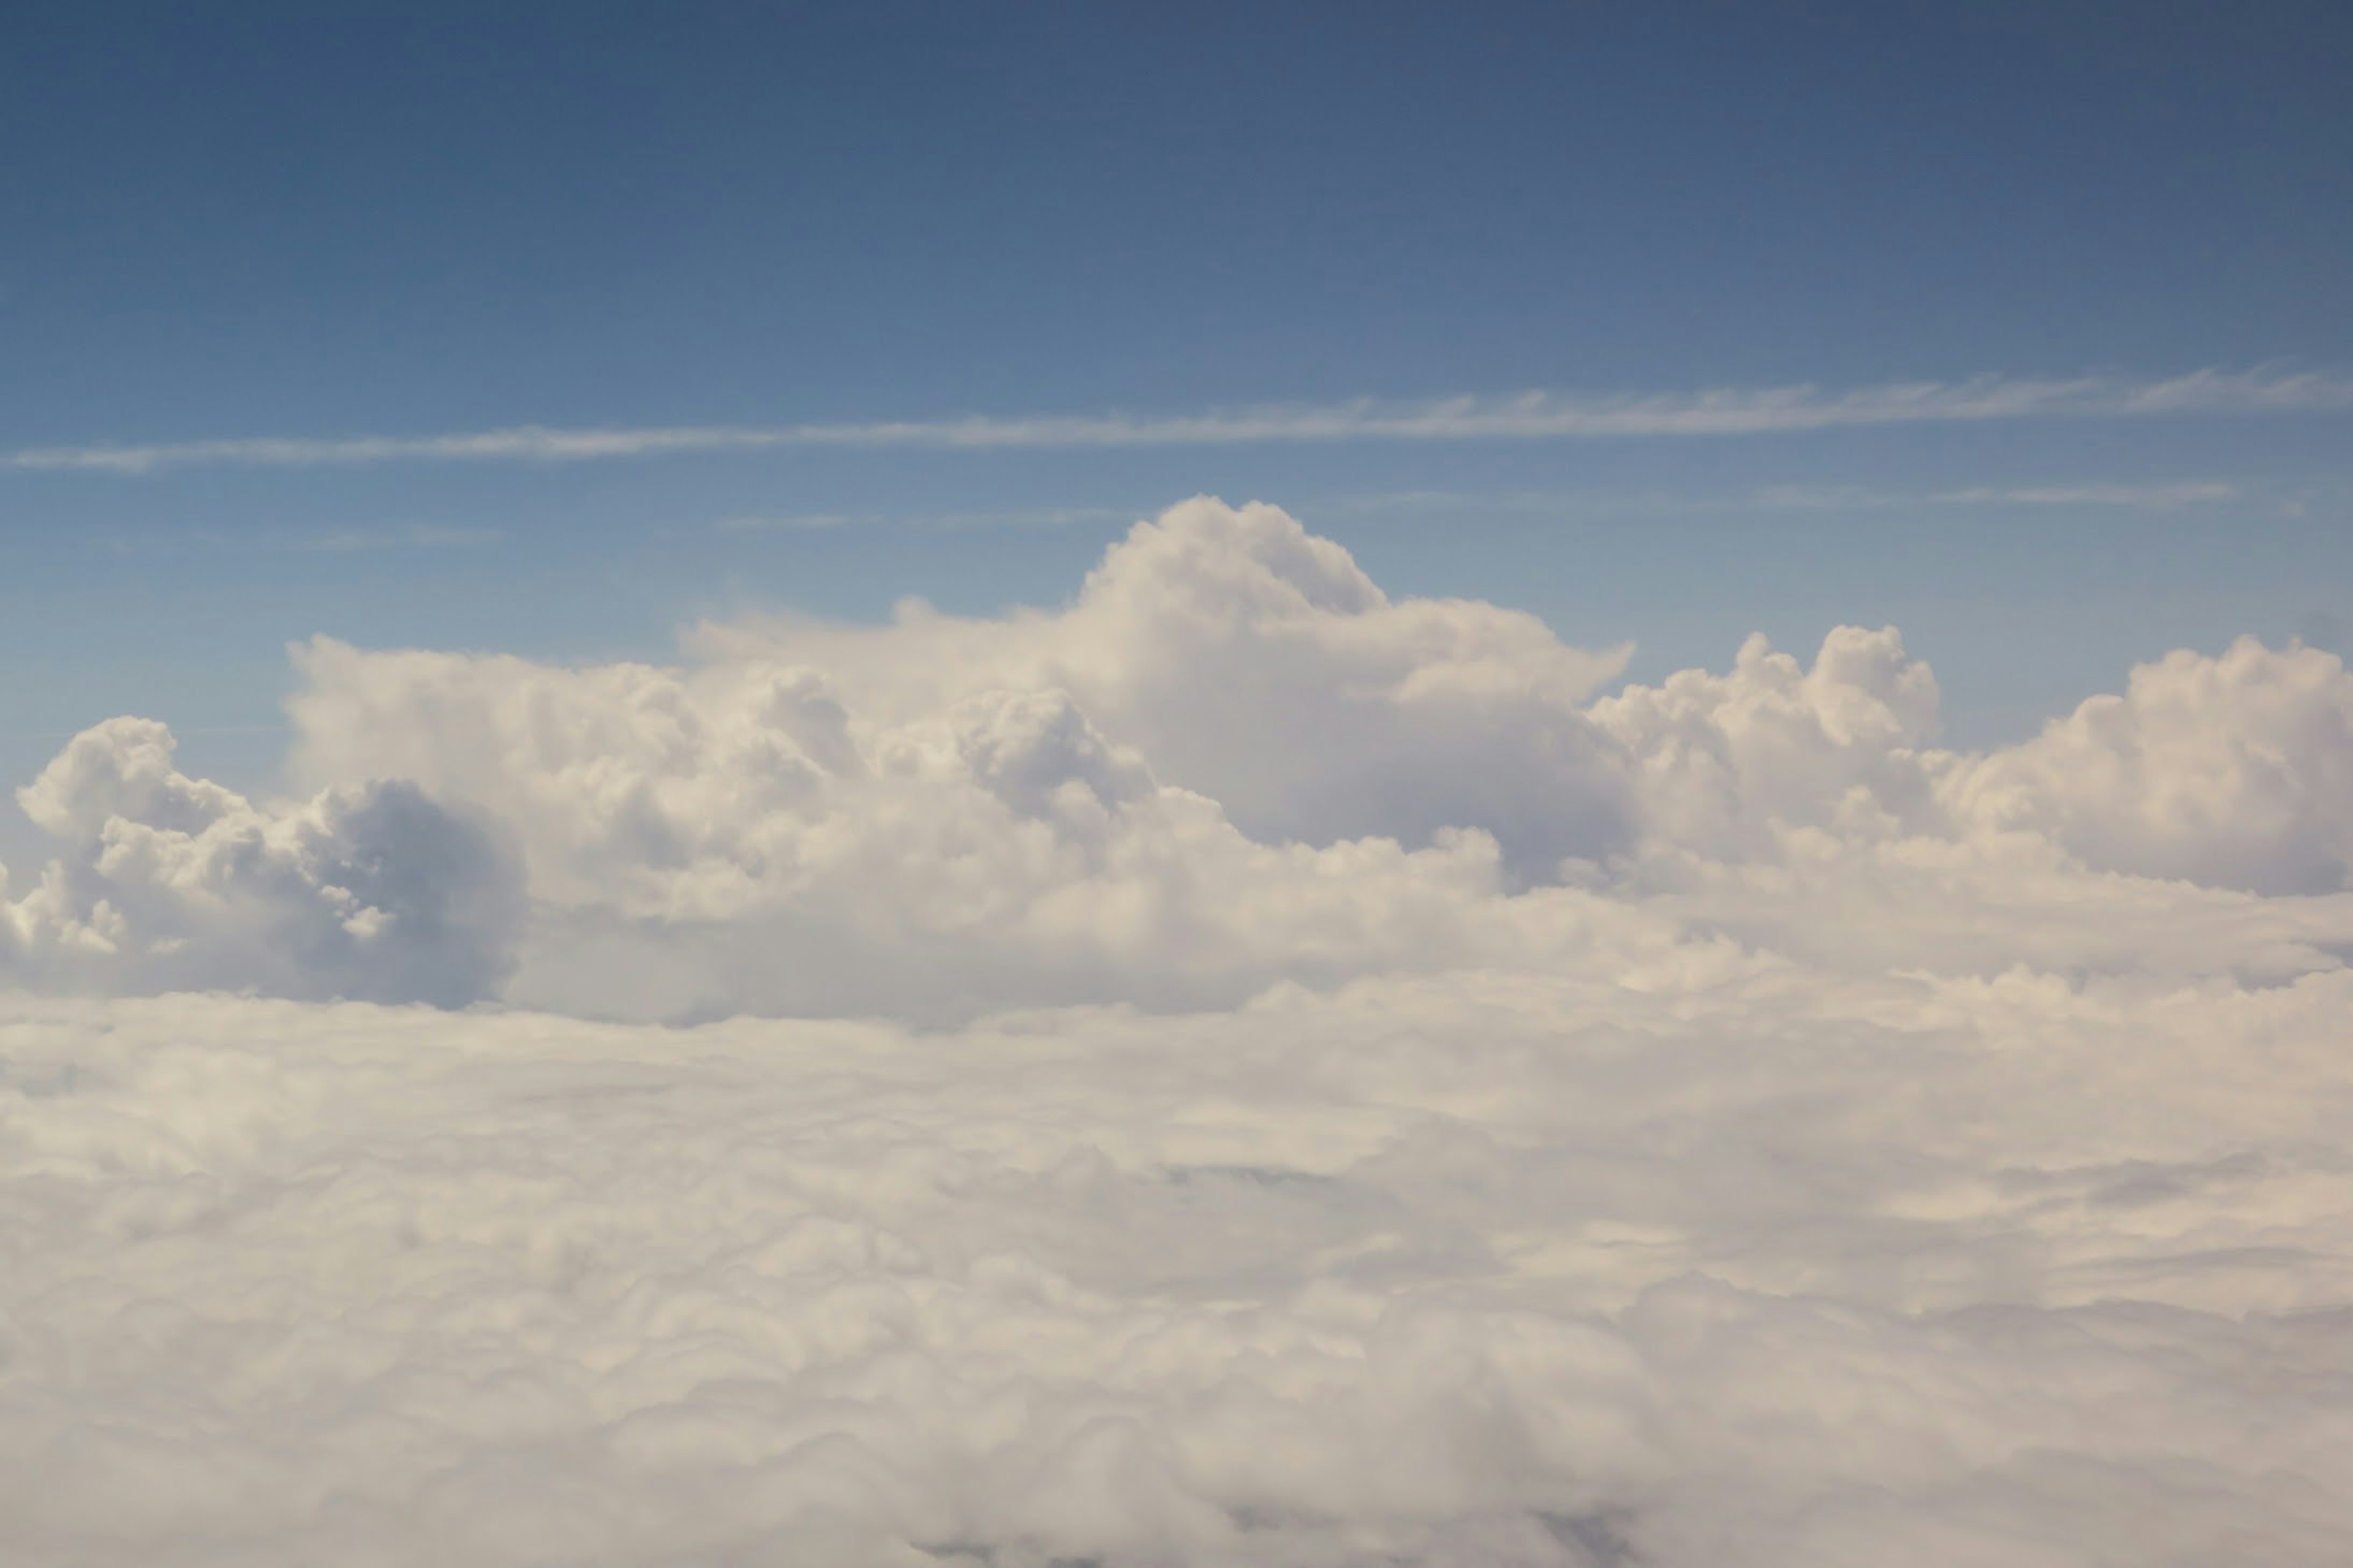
(1255, 663)
(2236, 769)
(1726, 763)
(1533, 415)
(1230, 760)
(1331, 1089)
(168, 882)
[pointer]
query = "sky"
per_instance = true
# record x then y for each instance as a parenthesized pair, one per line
(1516, 786)
(324, 222)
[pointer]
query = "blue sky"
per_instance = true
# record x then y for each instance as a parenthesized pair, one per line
(324, 222)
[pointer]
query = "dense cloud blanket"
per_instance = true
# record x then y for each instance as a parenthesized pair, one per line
(1239, 1069)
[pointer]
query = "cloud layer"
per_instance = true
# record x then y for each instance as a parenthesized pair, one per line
(1717, 1261)
(1236, 1069)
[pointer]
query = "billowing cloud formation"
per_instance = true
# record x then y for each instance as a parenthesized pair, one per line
(1725, 766)
(169, 883)
(1334, 1087)
(2237, 770)
(1230, 760)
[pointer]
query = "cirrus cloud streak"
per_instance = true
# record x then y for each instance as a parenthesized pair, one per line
(1529, 416)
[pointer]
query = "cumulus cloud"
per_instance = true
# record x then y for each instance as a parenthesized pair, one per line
(1724, 764)
(169, 882)
(1231, 760)
(1276, 1075)
(2236, 769)
(1257, 664)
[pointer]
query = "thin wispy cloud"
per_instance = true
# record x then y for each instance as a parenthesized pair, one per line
(787, 523)
(2156, 497)
(418, 538)
(1020, 517)
(1822, 497)
(1530, 417)
(338, 542)
(2127, 496)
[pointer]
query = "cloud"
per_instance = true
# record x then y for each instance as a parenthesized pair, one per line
(1276, 1075)
(1230, 761)
(2138, 497)
(1258, 664)
(1743, 1263)
(1530, 417)
(1727, 764)
(420, 537)
(2236, 769)
(168, 882)
(2158, 497)
(1034, 517)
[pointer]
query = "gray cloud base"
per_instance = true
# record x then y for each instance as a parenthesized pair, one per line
(1335, 1090)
